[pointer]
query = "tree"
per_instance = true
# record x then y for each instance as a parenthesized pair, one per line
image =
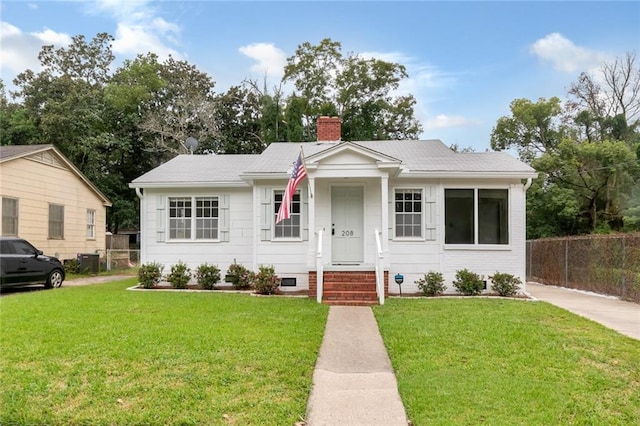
(594, 177)
(532, 128)
(183, 107)
(607, 104)
(359, 90)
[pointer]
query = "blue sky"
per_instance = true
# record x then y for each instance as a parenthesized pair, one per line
(466, 60)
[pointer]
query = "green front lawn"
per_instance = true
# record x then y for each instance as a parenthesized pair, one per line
(473, 361)
(102, 355)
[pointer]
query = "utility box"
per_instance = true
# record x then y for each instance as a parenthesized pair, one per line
(89, 263)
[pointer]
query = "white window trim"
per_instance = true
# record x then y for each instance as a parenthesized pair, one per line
(17, 218)
(422, 236)
(476, 245)
(193, 219)
(273, 221)
(91, 225)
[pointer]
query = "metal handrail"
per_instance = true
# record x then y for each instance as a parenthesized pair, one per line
(379, 269)
(319, 269)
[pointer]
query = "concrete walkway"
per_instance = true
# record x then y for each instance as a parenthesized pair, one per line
(624, 317)
(353, 382)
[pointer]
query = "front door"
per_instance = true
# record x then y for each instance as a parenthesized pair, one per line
(347, 216)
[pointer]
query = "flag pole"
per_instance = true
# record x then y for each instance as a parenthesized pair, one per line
(304, 164)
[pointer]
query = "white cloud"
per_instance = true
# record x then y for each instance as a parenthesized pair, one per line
(270, 60)
(443, 121)
(131, 40)
(19, 50)
(139, 28)
(33, 6)
(564, 55)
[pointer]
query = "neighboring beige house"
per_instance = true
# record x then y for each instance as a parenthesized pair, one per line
(49, 202)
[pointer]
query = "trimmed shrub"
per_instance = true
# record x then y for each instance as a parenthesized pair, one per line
(180, 275)
(150, 274)
(266, 281)
(71, 266)
(208, 276)
(505, 284)
(468, 283)
(239, 276)
(432, 284)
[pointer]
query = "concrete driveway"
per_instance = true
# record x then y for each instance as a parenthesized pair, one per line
(624, 317)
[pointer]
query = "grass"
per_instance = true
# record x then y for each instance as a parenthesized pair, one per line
(101, 355)
(508, 362)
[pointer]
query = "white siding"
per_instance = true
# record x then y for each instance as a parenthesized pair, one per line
(194, 253)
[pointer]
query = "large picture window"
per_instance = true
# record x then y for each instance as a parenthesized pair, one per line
(56, 222)
(408, 213)
(486, 210)
(9, 216)
(288, 228)
(200, 223)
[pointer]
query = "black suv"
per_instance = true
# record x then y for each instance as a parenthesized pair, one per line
(23, 264)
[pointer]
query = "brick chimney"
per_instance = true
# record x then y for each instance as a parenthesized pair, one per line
(329, 129)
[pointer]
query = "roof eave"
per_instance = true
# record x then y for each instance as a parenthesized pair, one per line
(469, 174)
(219, 184)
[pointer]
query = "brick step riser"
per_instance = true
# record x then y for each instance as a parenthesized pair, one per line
(350, 302)
(343, 295)
(348, 287)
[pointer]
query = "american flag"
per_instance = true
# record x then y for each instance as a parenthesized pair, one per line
(299, 172)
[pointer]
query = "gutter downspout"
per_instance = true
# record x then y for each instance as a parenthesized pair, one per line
(143, 220)
(526, 186)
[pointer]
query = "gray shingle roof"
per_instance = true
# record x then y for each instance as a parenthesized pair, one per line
(15, 151)
(416, 156)
(198, 169)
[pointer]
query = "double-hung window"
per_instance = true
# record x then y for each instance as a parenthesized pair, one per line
(91, 224)
(187, 222)
(9, 216)
(287, 228)
(476, 216)
(408, 213)
(56, 222)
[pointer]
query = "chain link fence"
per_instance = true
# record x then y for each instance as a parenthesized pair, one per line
(121, 259)
(606, 264)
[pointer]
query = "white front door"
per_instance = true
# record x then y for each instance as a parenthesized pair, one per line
(347, 216)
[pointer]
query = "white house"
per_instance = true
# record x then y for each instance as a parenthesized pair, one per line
(368, 211)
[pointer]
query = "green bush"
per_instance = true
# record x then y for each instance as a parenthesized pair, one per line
(180, 275)
(432, 284)
(71, 266)
(208, 276)
(468, 283)
(150, 274)
(239, 276)
(266, 281)
(505, 284)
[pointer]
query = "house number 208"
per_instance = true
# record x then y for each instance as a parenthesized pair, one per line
(347, 233)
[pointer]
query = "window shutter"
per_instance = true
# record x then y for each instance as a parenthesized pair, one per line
(224, 218)
(266, 216)
(392, 210)
(161, 217)
(304, 196)
(430, 213)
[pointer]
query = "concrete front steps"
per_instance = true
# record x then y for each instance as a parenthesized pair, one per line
(350, 288)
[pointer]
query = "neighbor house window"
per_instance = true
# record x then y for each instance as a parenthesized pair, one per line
(186, 222)
(91, 224)
(9, 216)
(288, 228)
(56, 222)
(408, 213)
(486, 210)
